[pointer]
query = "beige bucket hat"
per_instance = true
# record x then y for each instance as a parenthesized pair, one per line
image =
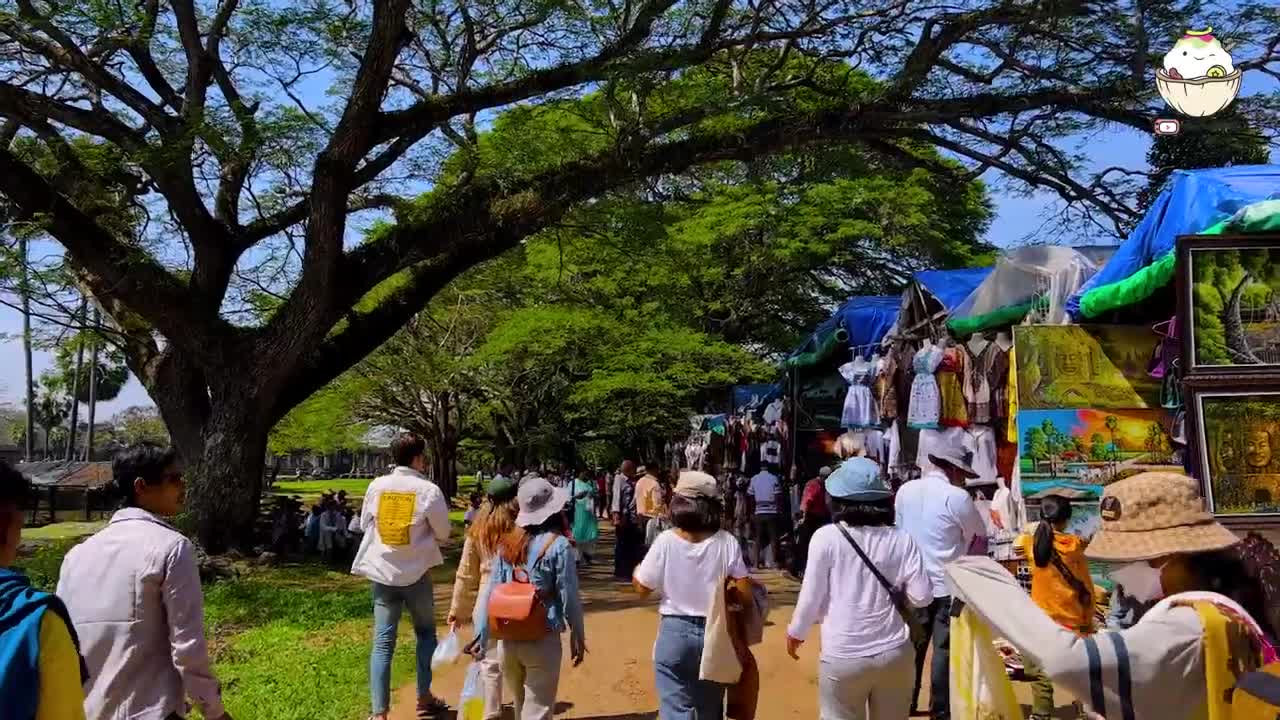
(1152, 515)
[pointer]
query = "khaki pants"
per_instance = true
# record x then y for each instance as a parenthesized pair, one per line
(874, 688)
(532, 671)
(491, 681)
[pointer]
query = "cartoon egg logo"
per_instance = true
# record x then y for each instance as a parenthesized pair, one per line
(1198, 78)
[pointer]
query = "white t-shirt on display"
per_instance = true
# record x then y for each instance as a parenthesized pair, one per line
(764, 488)
(685, 573)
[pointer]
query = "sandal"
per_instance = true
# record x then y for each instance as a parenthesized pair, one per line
(433, 708)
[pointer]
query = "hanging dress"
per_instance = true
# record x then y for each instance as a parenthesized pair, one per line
(977, 383)
(955, 411)
(886, 389)
(926, 403)
(859, 407)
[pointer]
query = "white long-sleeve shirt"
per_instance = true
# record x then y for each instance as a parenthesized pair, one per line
(405, 518)
(942, 520)
(857, 614)
(133, 594)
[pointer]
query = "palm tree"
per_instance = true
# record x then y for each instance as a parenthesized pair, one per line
(1112, 423)
(50, 411)
(24, 290)
(73, 428)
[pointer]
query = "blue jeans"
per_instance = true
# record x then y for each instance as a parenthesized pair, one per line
(388, 603)
(676, 659)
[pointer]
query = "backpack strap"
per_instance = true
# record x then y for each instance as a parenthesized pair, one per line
(524, 569)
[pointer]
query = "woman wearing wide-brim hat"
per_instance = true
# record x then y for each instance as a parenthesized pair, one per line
(538, 548)
(1161, 544)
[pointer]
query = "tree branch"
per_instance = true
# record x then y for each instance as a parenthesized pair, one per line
(114, 270)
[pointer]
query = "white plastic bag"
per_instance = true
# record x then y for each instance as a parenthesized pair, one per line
(471, 703)
(447, 652)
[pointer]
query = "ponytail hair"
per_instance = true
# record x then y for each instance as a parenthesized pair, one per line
(1053, 509)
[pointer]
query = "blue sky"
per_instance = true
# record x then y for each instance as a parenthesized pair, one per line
(1017, 219)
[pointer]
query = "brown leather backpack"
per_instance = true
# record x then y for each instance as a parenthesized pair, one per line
(516, 608)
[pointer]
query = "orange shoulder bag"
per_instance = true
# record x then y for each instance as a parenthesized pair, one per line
(516, 608)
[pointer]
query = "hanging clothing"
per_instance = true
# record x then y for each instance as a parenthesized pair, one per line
(998, 379)
(978, 442)
(859, 407)
(926, 402)
(977, 382)
(885, 388)
(955, 412)
(771, 452)
(773, 412)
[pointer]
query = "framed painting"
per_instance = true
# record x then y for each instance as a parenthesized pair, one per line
(1229, 305)
(1084, 449)
(1236, 444)
(1085, 367)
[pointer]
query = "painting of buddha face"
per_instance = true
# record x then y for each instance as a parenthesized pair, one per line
(1257, 449)
(1085, 367)
(1238, 461)
(1074, 363)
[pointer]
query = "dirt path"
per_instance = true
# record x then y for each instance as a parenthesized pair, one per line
(616, 681)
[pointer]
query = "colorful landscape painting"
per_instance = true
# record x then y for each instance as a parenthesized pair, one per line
(1091, 446)
(1239, 451)
(1236, 296)
(1085, 366)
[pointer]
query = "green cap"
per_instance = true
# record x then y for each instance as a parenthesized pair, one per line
(500, 486)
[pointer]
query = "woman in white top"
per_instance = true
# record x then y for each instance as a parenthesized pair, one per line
(867, 665)
(684, 565)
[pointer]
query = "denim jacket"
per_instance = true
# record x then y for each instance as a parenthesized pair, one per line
(556, 578)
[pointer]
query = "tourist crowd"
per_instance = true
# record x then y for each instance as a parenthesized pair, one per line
(886, 575)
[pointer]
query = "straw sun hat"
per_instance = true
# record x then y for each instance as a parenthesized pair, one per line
(1152, 515)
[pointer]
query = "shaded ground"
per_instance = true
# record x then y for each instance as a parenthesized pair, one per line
(616, 681)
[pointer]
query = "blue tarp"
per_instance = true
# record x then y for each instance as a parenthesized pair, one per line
(753, 398)
(951, 287)
(1192, 201)
(867, 319)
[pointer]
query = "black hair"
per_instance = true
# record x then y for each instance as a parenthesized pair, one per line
(406, 447)
(15, 488)
(1053, 509)
(865, 513)
(143, 460)
(1224, 572)
(696, 514)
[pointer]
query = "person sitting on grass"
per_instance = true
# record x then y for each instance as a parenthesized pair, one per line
(469, 516)
(40, 667)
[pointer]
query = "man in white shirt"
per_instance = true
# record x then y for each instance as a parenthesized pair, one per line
(133, 593)
(767, 523)
(942, 519)
(405, 517)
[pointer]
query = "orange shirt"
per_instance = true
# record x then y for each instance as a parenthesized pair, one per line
(1051, 591)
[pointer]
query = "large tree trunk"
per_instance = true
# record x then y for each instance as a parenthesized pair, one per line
(73, 421)
(1236, 339)
(24, 289)
(224, 472)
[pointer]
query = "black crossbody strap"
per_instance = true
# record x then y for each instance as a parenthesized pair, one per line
(888, 587)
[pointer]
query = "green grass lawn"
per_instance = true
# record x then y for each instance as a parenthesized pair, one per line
(63, 530)
(355, 487)
(289, 642)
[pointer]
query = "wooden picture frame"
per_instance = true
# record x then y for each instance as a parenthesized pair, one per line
(1233, 429)
(1210, 346)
